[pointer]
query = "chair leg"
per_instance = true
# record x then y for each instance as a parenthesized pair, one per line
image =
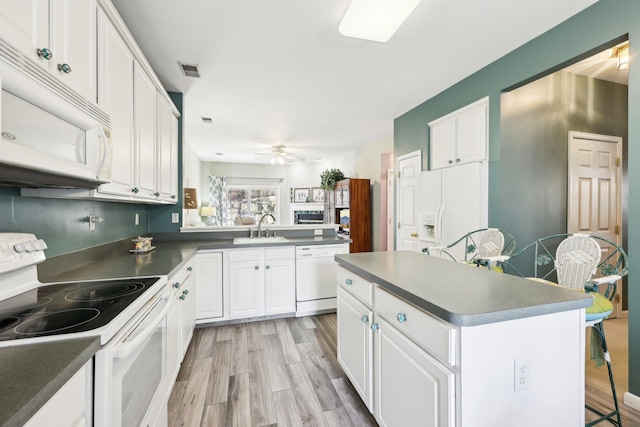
(599, 327)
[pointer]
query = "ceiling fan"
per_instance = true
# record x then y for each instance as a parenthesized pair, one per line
(278, 156)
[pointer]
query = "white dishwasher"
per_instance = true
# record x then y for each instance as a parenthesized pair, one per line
(316, 271)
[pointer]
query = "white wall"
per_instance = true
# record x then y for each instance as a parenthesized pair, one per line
(370, 164)
(191, 172)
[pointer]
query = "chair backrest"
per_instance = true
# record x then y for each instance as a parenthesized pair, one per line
(577, 259)
(491, 243)
(478, 244)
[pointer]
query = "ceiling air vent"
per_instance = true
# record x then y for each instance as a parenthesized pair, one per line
(190, 70)
(207, 120)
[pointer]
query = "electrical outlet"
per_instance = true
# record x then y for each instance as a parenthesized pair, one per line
(317, 232)
(175, 217)
(521, 371)
(137, 219)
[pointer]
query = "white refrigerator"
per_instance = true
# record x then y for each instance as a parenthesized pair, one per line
(453, 202)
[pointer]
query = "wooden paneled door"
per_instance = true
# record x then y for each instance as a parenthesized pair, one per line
(594, 197)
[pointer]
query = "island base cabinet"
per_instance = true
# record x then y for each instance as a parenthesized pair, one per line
(355, 349)
(411, 387)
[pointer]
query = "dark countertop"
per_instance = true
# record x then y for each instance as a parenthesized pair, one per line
(32, 374)
(461, 294)
(164, 259)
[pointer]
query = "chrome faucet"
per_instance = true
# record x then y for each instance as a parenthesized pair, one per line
(260, 222)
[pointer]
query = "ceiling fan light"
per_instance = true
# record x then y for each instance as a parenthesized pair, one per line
(623, 58)
(273, 160)
(375, 20)
(280, 160)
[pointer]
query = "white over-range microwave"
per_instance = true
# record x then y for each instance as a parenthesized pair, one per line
(50, 137)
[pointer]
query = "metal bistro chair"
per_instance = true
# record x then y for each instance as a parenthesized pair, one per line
(486, 247)
(578, 259)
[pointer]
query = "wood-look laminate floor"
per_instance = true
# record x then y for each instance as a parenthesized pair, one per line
(279, 372)
(284, 372)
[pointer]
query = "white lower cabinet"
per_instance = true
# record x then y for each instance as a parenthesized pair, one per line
(71, 406)
(355, 351)
(411, 387)
(261, 281)
(393, 355)
(209, 285)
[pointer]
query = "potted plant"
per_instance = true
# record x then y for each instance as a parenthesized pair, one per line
(329, 178)
(328, 181)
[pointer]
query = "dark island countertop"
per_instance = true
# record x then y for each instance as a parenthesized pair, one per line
(461, 294)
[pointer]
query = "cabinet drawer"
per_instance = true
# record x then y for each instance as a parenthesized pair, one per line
(176, 280)
(434, 335)
(355, 284)
(287, 252)
(244, 255)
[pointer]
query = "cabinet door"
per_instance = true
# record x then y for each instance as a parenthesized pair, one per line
(164, 146)
(115, 95)
(174, 343)
(209, 285)
(443, 144)
(25, 26)
(145, 133)
(280, 285)
(472, 135)
(245, 284)
(73, 38)
(355, 344)
(188, 311)
(411, 387)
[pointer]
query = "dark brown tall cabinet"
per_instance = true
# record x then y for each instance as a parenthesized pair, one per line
(353, 212)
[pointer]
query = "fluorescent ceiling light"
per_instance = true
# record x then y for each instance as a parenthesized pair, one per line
(376, 20)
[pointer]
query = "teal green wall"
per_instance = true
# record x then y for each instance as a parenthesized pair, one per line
(160, 216)
(64, 224)
(579, 36)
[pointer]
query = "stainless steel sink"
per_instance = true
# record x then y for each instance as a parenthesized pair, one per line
(258, 240)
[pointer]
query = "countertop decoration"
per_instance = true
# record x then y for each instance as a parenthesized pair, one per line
(142, 245)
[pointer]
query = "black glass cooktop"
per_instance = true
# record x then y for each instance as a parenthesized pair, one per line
(66, 308)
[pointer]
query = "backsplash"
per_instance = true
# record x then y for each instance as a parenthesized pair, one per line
(64, 224)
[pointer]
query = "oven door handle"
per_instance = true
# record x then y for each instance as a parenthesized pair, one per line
(124, 348)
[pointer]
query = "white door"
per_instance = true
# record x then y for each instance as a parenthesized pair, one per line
(594, 191)
(408, 196)
(411, 387)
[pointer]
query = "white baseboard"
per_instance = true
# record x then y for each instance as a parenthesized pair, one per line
(632, 400)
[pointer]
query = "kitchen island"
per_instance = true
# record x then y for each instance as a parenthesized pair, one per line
(427, 341)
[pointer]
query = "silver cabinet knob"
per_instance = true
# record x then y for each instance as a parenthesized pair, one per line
(44, 53)
(64, 68)
(257, 267)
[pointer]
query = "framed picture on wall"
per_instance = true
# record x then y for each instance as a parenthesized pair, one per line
(300, 195)
(317, 194)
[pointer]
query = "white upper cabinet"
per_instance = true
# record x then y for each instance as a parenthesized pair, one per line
(167, 152)
(144, 118)
(60, 35)
(115, 96)
(460, 137)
